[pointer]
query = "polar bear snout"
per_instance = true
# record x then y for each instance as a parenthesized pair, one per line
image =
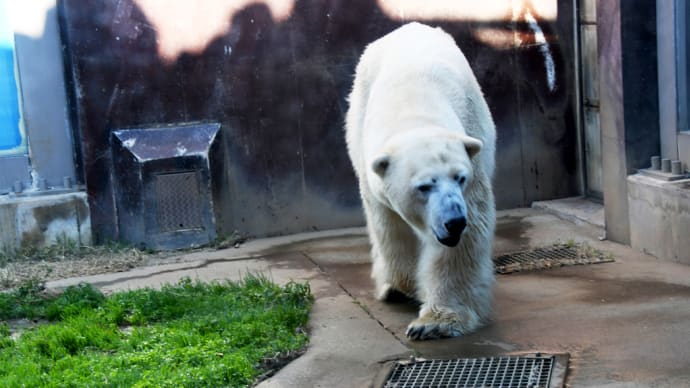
(453, 231)
(456, 225)
(448, 219)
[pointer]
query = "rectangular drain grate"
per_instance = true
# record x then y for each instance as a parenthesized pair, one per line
(551, 257)
(533, 371)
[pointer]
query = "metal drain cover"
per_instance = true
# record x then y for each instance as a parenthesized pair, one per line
(528, 371)
(550, 257)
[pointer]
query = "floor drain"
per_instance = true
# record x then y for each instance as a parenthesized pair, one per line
(551, 257)
(530, 371)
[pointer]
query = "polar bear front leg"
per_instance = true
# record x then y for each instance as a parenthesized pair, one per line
(394, 252)
(456, 291)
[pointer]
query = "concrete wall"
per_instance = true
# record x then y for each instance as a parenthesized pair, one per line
(629, 112)
(275, 75)
(641, 110)
(659, 211)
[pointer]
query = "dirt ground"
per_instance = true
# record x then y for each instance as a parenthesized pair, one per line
(61, 266)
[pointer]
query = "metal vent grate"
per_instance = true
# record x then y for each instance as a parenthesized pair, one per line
(551, 257)
(508, 372)
(178, 201)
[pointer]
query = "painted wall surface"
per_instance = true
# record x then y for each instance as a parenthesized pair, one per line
(41, 155)
(44, 101)
(10, 135)
(275, 74)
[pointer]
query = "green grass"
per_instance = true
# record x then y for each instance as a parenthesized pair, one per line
(190, 334)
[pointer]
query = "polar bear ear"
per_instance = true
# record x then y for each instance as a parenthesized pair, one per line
(381, 164)
(472, 145)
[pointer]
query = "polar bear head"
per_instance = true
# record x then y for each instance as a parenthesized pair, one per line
(425, 180)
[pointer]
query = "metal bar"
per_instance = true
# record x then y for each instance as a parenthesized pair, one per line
(455, 368)
(484, 372)
(547, 383)
(471, 372)
(505, 371)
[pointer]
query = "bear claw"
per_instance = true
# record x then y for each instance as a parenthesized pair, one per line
(430, 331)
(442, 324)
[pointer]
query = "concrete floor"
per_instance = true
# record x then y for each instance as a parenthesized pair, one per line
(623, 324)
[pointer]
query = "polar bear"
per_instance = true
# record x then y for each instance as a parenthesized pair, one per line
(422, 143)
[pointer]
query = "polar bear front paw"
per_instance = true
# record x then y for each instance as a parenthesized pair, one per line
(442, 324)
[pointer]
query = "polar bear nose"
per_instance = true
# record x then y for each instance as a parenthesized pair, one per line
(456, 225)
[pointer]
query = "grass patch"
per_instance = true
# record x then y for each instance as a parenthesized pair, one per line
(190, 334)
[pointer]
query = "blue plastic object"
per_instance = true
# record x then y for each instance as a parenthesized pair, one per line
(10, 135)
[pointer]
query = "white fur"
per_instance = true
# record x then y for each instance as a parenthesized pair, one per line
(416, 99)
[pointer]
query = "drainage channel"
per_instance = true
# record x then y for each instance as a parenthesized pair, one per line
(519, 371)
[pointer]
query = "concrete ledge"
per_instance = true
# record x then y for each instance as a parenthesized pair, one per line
(660, 217)
(42, 220)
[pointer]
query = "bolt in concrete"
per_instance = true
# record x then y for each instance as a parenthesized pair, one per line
(675, 167)
(656, 162)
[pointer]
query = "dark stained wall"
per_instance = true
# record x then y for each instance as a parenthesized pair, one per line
(640, 77)
(279, 87)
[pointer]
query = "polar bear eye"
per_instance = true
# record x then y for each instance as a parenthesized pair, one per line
(460, 179)
(425, 188)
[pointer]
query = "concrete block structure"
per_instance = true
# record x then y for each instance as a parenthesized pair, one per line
(44, 220)
(643, 81)
(660, 217)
